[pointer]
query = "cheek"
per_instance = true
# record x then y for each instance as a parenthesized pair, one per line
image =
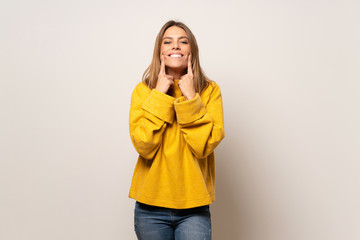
(163, 49)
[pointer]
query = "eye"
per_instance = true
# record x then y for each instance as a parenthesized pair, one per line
(184, 42)
(166, 42)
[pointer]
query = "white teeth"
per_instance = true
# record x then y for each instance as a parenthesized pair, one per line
(175, 55)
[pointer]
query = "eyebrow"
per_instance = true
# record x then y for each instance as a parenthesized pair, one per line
(179, 37)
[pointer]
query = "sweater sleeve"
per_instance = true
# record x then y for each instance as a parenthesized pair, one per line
(150, 111)
(202, 126)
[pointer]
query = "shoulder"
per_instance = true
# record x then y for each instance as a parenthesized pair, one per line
(141, 86)
(140, 93)
(211, 93)
(141, 89)
(211, 89)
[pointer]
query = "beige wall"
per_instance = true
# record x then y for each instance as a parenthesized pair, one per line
(288, 168)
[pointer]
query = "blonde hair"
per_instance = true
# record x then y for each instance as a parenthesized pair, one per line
(150, 75)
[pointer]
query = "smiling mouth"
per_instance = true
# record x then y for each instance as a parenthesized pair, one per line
(175, 55)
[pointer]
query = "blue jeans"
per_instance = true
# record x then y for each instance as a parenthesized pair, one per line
(158, 223)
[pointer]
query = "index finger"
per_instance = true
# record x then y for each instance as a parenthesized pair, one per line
(189, 64)
(162, 66)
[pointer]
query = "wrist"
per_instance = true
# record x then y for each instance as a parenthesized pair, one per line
(190, 96)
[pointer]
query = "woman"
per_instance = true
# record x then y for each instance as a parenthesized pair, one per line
(176, 121)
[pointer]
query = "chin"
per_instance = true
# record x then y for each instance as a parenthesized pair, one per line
(176, 67)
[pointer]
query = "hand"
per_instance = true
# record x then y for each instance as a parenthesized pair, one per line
(186, 82)
(164, 81)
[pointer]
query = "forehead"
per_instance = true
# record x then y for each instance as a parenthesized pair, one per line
(174, 32)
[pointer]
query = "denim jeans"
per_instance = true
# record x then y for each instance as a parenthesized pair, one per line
(158, 223)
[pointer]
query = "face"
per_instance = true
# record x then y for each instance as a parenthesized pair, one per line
(175, 47)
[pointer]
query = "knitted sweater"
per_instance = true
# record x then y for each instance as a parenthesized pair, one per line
(175, 139)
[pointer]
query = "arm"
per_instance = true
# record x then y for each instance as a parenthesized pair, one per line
(202, 126)
(150, 111)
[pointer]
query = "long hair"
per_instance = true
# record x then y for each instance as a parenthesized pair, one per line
(150, 75)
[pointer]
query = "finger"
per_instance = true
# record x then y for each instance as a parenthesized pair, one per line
(170, 78)
(189, 65)
(162, 67)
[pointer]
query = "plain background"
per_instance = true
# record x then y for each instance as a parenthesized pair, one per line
(289, 71)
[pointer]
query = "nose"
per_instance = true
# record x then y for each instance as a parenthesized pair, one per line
(175, 45)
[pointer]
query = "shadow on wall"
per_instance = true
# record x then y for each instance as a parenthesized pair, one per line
(228, 212)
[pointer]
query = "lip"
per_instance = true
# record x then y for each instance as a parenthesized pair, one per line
(175, 53)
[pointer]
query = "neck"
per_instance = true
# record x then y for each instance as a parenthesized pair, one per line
(176, 73)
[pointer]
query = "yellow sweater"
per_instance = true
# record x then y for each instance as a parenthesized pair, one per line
(175, 139)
